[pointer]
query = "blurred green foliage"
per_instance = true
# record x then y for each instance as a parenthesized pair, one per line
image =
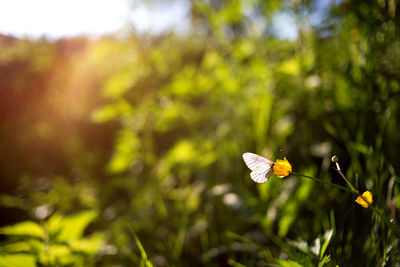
(57, 242)
(127, 150)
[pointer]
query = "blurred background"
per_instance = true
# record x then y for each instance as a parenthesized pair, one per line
(122, 125)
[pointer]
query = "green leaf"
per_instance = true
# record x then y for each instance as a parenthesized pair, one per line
(13, 201)
(142, 251)
(53, 225)
(56, 252)
(27, 228)
(120, 83)
(327, 236)
(363, 149)
(110, 112)
(126, 148)
(234, 263)
(90, 245)
(72, 227)
(326, 259)
(17, 260)
(289, 263)
(16, 247)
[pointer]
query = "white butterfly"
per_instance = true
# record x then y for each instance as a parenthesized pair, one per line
(261, 167)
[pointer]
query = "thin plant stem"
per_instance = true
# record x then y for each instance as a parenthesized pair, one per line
(345, 178)
(324, 182)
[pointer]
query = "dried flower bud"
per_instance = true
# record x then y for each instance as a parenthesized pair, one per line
(335, 159)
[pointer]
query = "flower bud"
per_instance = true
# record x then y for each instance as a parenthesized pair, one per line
(282, 168)
(368, 197)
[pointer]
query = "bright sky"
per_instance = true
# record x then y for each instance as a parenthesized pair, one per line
(64, 18)
(60, 18)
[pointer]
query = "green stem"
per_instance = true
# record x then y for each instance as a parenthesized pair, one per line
(324, 182)
(347, 181)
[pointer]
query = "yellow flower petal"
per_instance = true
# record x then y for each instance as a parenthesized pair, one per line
(282, 168)
(368, 197)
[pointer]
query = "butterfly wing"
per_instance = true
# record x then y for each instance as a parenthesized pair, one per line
(261, 167)
(261, 174)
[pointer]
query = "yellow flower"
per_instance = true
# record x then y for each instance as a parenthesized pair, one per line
(282, 168)
(368, 197)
